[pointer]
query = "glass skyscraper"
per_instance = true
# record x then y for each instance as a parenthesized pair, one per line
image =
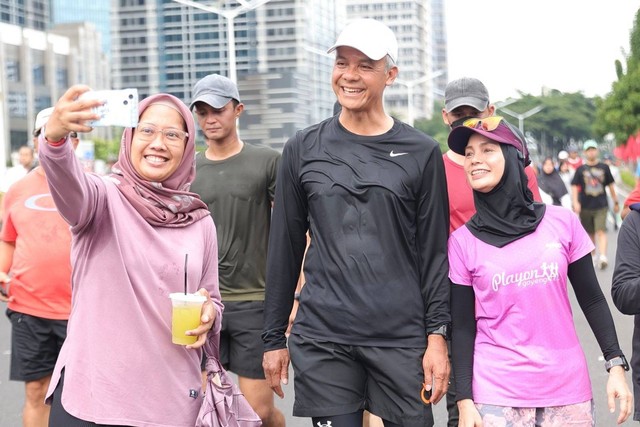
(96, 12)
(283, 74)
(25, 13)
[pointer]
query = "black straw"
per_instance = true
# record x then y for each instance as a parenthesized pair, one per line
(186, 257)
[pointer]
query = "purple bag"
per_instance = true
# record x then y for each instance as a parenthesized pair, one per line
(223, 405)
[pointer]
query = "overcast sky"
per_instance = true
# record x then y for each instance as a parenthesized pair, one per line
(569, 45)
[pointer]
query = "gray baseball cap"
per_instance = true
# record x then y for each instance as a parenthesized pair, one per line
(215, 90)
(466, 91)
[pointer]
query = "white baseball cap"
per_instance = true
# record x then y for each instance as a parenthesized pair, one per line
(371, 37)
(41, 119)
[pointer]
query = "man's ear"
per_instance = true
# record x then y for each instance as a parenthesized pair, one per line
(239, 109)
(391, 75)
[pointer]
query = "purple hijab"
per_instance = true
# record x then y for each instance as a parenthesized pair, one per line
(168, 203)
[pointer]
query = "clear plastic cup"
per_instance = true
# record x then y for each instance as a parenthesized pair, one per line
(185, 316)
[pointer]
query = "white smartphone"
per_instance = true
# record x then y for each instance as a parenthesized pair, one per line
(120, 107)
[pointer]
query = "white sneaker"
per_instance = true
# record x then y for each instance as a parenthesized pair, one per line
(603, 262)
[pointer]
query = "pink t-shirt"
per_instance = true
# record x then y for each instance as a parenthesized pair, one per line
(527, 352)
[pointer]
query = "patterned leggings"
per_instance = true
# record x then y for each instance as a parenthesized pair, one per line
(578, 415)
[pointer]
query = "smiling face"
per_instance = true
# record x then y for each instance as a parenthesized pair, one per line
(359, 81)
(155, 160)
(483, 163)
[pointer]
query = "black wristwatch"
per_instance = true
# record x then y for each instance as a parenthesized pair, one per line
(616, 361)
(441, 330)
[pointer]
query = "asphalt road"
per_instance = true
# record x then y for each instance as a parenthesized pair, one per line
(12, 393)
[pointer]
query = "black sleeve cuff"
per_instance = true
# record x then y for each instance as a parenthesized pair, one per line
(274, 339)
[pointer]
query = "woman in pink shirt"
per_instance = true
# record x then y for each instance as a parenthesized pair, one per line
(509, 301)
(131, 231)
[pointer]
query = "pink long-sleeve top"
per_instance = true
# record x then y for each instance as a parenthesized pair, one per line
(120, 366)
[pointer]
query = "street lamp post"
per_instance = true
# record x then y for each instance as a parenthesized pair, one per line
(522, 116)
(230, 15)
(410, 84)
(501, 104)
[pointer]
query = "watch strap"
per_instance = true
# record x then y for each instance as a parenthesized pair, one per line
(616, 361)
(441, 330)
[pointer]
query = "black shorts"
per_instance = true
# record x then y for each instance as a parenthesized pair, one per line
(337, 379)
(35, 345)
(241, 346)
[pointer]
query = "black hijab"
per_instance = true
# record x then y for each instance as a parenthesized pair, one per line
(507, 212)
(552, 184)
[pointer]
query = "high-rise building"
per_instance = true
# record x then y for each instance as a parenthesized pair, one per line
(281, 67)
(412, 21)
(34, 14)
(440, 51)
(38, 68)
(97, 12)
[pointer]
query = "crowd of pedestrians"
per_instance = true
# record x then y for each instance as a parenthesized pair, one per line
(425, 274)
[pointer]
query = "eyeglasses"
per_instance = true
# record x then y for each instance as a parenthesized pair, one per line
(488, 123)
(172, 136)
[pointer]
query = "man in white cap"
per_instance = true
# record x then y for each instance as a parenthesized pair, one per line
(237, 182)
(373, 316)
(35, 280)
(589, 197)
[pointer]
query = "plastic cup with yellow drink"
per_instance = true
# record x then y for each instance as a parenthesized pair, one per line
(186, 314)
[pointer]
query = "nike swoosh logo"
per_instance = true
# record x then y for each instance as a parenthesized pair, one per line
(392, 154)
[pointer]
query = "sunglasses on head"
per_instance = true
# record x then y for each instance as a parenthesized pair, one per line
(488, 123)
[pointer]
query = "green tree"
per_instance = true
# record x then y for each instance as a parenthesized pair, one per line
(106, 149)
(564, 118)
(435, 127)
(619, 111)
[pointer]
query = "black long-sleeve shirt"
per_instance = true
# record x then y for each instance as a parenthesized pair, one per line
(625, 290)
(376, 207)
